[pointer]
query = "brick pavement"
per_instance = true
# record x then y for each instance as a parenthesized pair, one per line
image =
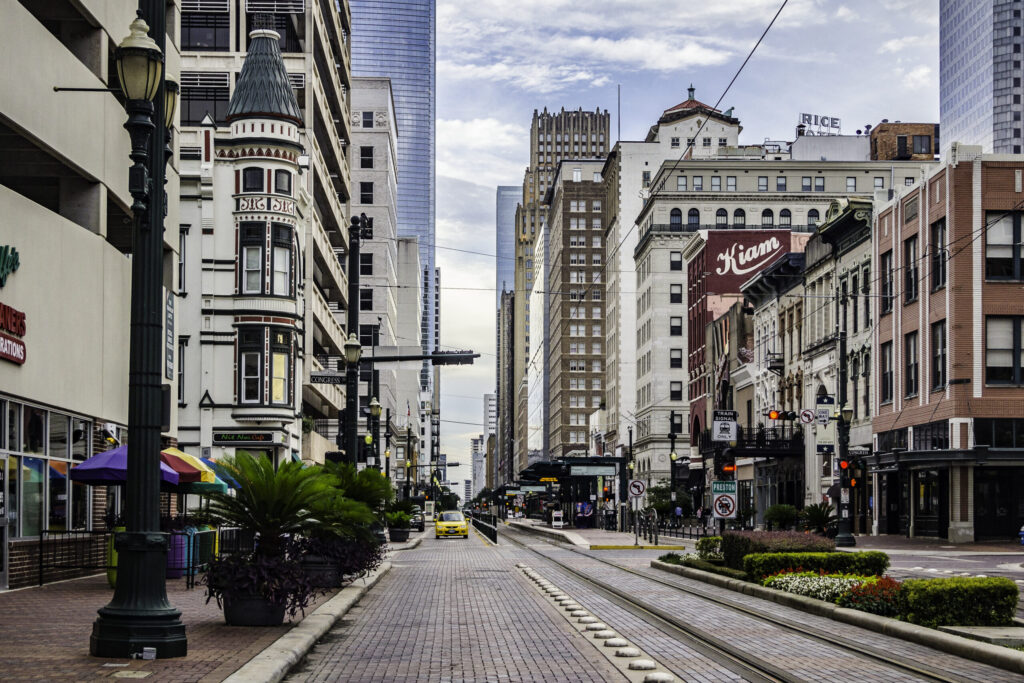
(454, 610)
(45, 631)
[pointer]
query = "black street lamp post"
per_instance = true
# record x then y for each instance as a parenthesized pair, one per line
(360, 228)
(139, 615)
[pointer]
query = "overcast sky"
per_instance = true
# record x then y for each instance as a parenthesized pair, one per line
(497, 61)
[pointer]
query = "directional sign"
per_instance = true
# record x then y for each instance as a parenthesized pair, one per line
(806, 416)
(637, 488)
(723, 426)
(723, 499)
(824, 407)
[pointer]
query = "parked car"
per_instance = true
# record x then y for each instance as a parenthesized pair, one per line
(379, 532)
(418, 521)
(451, 523)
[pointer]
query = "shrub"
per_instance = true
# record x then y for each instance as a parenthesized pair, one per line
(781, 516)
(280, 579)
(959, 601)
(812, 585)
(868, 563)
(398, 519)
(709, 548)
(819, 518)
(671, 558)
(877, 595)
(738, 544)
(705, 566)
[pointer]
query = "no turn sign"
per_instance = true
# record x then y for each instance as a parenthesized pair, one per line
(637, 488)
(806, 416)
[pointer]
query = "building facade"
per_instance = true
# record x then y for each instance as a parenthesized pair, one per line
(979, 74)
(506, 199)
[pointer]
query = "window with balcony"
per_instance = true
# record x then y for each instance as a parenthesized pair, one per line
(721, 218)
(767, 218)
(675, 219)
(785, 218)
(812, 217)
(739, 218)
(693, 219)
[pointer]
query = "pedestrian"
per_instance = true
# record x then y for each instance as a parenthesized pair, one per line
(679, 516)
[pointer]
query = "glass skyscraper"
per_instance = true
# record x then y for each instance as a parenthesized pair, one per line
(507, 197)
(396, 39)
(980, 74)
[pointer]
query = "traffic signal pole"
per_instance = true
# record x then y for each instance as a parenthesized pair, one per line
(844, 537)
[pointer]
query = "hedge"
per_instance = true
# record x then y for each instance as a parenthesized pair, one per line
(710, 548)
(705, 566)
(959, 601)
(868, 563)
(738, 544)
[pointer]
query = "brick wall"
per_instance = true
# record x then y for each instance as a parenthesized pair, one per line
(87, 554)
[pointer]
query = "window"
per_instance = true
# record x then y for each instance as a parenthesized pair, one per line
(908, 181)
(597, 176)
(730, 183)
(198, 101)
(706, 142)
(282, 260)
(675, 391)
(252, 179)
(780, 183)
(675, 219)
(767, 218)
(675, 358)
(645, 177)
(716, 183)
(675, 326)
(819, 184)
(366, 157)
(721, 218)
(762, 183)
(785, 218)
(910, 283)
(693, 218)
(675, 142)
(885, 265)
(851, 183)
(366, 263)
(675, 260)
(812, 217)
(252, 240)
(283, 182)
(698, 183)
(879, 182)
(597, 205)
(365, 299)
(910, 377)
(1003, 247)
(577, 175)
(205, 31)
(675, 294)
(681, 183)
(250, 347)
(805, 183)
(367, 119)
(1003, 350)
(182, 240)
(365, 193)
(938, 253)
(739, 218)
(853, 306)
(939, 355)
(886, 367)
(280, 362)
(722, 142)
(922, 144)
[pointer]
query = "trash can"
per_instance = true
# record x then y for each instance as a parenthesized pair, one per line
(112, 557)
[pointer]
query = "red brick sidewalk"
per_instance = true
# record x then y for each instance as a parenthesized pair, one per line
(45, 635)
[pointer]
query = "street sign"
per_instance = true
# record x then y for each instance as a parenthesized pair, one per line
(823, 409)
(723, 425)
(723, 499)
(637, 488)
(806, 416)
(591, 470)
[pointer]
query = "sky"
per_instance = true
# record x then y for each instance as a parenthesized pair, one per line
(497, 61)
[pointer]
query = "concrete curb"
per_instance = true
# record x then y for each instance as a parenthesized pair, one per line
(1001, 657)
(408, 545)
(569, 536)
(598, 546)
(274, 663)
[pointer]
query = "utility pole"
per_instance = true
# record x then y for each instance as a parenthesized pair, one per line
(844, 537)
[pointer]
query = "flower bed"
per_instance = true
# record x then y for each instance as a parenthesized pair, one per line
(827, 587)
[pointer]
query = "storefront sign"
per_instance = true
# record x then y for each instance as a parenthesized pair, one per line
(169, 337)
(9, 262)
(243, 438)
(592, 470)
(326, 378)
(533, 489)
(13, 321)
(274, 204)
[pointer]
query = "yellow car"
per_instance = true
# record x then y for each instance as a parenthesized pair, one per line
(451, 524)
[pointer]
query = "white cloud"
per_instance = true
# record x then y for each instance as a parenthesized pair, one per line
(483, 151)
(908, 43)
(844, 13)
(918, 77)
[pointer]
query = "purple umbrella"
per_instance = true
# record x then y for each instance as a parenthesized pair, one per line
(110, 468)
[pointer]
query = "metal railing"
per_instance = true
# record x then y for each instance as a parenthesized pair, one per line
(683, 528)
(486, 524)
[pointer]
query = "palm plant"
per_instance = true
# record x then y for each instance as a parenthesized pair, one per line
(818, 517)
(366, 486)
(273, 504)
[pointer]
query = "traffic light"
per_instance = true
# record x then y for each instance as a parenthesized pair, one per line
(725, 463)
(845, 472)
(782, 415)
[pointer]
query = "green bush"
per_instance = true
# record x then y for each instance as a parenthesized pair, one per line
(738, 544)
(781, 516)
(671, 558)
(710, 548)
(868, 563)
(959, 601)
(705, 566)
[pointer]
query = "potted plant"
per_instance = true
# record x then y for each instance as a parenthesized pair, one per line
(819, 518)
(325, 551)
(398, 526)
(781, 516)
(277, 506)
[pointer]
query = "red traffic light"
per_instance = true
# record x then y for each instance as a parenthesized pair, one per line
(729, 467)
(774, 415)
(844, 464)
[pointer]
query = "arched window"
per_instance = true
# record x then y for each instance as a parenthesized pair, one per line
(721, 218)
(785, 218)
(739, 218)
(767, 218)
(812, 217)
(693, 218)
(675, 217)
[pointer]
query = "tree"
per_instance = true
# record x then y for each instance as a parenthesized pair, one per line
(659, 497)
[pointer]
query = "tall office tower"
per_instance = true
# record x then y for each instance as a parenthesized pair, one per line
(505, 240)
(478, 454)
(490, 415)
(498, 467)
(283, 237)
(396, 39)
(553, 137)
(979, 74)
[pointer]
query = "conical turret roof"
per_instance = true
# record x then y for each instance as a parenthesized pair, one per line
(263, 90)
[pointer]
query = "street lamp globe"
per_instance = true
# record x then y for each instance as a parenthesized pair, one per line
(140, 63)
(847, 415)
(674, 456)
(374, 407)
(353, 350)
(171, 91)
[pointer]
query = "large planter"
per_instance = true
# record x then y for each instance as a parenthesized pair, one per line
(398, 535)
(252, 610)
(322, 572)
